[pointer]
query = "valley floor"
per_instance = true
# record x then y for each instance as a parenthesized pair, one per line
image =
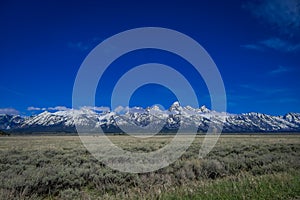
(239, 167)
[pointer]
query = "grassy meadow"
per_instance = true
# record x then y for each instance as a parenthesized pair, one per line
(239, 167)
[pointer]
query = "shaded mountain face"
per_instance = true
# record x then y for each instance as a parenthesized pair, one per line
(10, 122)
(150, 120)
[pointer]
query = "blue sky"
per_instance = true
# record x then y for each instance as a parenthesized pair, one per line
(255, 44)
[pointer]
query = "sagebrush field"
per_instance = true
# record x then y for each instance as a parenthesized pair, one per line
(239, 167)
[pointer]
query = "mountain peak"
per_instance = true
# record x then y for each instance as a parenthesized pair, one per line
(203, 109)
(176, 104)
(155, 107)
(175, 107)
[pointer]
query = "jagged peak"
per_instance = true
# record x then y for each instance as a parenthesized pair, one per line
(175, 107)
(204, 109)
(176, 104)
(45, 113)
(155, 107)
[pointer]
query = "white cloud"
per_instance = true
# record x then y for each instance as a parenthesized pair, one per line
(32, 108)
(280, 45)
(253, 47)
(102, 109)
(99, 109)
(282, 15)
(280, 69)
(59, 108)
(283, 19)
(9, 111)
(121, 109)
(265, 90)
(275, 44)
(64, 108)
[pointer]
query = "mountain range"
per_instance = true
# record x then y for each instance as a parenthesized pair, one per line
(151, 119)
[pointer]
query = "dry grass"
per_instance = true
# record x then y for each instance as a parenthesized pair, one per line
(239, 167)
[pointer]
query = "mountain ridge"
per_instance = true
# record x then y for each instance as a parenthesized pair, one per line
(150, 119)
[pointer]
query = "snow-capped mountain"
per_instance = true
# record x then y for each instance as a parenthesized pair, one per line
(149, 120)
